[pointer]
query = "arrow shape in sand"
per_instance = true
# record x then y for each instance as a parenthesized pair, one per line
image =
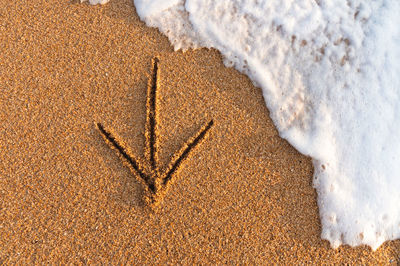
(154, 179)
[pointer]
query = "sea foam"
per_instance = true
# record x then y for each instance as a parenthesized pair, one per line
(330, 74)
(96, 2)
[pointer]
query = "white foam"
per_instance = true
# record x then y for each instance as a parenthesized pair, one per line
(330, 74)
(95, 2)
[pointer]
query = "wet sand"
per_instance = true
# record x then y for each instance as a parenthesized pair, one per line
(242, 195)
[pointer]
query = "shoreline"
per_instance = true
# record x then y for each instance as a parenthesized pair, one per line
(244, 195)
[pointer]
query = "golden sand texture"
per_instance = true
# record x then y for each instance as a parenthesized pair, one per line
(243, 196)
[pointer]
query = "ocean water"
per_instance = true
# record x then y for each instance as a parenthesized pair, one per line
(330, 74)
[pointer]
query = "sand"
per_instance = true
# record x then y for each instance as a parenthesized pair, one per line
(243, 195)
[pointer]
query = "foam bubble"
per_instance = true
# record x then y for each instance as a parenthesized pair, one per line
(95, 2)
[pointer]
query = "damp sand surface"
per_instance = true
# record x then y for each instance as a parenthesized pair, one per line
(243, 195)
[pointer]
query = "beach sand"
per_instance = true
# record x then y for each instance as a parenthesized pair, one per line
(243, 195)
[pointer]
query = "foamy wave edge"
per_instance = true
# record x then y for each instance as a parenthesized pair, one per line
(329, 71)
